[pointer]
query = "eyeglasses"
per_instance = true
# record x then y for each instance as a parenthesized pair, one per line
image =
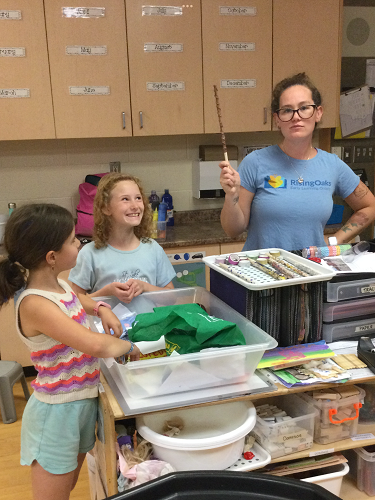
(304, 112)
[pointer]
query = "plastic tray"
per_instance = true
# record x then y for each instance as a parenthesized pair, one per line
(333, 311)
(263, 281)
(348, 329)
(355, 289)
(260, 459)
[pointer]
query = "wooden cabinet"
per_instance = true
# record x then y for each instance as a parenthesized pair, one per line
(307, 37)
(89, 69)
(25, 90)
(234, 247)
(165, 61)
(237, 58)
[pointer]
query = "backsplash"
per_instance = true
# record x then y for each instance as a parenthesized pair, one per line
(49, 171)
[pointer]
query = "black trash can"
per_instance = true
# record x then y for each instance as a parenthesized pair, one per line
(225, 485)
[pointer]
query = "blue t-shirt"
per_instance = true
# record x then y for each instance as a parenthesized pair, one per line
(284, 213)
(96, 268)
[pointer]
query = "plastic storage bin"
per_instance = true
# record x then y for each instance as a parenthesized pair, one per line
(224, 485)
(329, 478)
(212, 368)
(362, 468)
(335, 419)
(290, 436)
(348, 309)
(211, 438)
(357, 328)
(345, 290)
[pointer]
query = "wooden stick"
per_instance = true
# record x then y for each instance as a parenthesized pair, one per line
(220, 124)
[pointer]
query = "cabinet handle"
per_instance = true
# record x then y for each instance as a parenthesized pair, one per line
(141, 119)
(123, 120)
(264, 116)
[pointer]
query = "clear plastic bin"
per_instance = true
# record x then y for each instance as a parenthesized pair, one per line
(350, 289)
(187, 372)
(362, 468)
(348, 309)
(335, 419)
(357, 328)
(290, 436)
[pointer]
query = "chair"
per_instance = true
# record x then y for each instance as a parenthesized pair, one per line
(10, 373)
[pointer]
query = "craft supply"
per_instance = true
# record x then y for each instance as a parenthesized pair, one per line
(304, 270)
(233, 259)
(349, 361)
(266, 270)
(328, 251)
(218, 110)
(244, 263)
(283, 269)
(237, 272)
(219, 260)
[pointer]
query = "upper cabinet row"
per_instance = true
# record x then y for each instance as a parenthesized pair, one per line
(116, 69)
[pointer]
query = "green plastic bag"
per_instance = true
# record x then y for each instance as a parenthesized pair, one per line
(186, 328)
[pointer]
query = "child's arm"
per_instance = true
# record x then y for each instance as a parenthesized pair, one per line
(40, 315)
(122, 291)
(140, 286)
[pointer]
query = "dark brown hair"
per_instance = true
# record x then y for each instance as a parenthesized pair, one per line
(30, 233)
(102, 222)
(298, 79)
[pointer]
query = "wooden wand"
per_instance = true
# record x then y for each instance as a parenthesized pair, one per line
(221, 124)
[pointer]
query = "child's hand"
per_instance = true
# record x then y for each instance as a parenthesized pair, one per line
(138, 286)
(123, 291)
(134, 355)
(110, 322)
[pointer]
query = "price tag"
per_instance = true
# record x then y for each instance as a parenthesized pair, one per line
(363, 437)
(162, 86)
(12, 51)
(88, 90)
(11, 93)
(158, 10)
(237, 46)
(86, 50)
(14, 15)
(238, 84)
(85, 12)
(163, 47)
(321, 452)
(238, 11)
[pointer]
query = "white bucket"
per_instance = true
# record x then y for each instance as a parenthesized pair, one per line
(212, 437)
(3, 221)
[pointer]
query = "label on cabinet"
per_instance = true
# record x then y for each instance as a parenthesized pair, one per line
(88, 90)
(236, 46)
(165, 86)
(238, 84)
(86, 50)
(161, 10)
(238, 11)
(14, 93)
(85, 12)
(11, 14)
(163, 47)
(12, 51)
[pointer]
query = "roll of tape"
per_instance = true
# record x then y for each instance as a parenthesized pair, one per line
(244, 263)
(233, 259)
(219, 260)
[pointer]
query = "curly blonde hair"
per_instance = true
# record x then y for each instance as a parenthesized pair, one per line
(102, 222)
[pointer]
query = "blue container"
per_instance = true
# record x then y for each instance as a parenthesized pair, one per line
(162, 212)
(336, 215)
(167, 198)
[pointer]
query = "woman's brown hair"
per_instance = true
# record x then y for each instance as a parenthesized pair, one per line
(102, 222)
(298, 79)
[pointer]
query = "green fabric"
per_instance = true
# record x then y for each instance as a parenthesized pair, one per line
(186, 328)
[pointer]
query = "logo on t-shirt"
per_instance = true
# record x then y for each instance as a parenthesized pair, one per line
(275, 182)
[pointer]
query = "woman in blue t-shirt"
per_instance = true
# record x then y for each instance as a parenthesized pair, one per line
(282, 194)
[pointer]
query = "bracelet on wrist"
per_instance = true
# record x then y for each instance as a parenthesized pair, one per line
(131, 348)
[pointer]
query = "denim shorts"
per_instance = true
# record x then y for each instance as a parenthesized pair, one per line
(54, 434)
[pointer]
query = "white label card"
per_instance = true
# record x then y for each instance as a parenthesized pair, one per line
(14, 93)
(85, 12)
(321, 452)
(368, 289)
(88, 90)
(361, 437)
(12, 51)
(85, 50)
(365, 328)
(238, 84)
(161, 10)
(160, 86)
(236, 46)
(238, 11)
(11, 14)
(163, 47)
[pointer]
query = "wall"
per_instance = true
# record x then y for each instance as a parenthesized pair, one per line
(50, 171)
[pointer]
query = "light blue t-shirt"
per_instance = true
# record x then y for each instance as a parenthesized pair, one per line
(284, 213)
(96, 268)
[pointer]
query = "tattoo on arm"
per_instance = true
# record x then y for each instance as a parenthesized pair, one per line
(360, 191)
(235, 200)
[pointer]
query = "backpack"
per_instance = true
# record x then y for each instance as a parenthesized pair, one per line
(85, 208)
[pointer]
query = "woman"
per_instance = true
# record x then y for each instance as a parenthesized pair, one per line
(282, 194)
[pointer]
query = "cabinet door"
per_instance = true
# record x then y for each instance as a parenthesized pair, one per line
(25, 89)
(307, 37)
(237, 58)
(165, 65)
(89, 69)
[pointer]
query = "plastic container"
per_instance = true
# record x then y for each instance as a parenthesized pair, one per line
(362, 468)
(153, 198)
(335, 419)
(162, 212)
(290, 436)
(329, 478)
(348, 329)
(224, 485)
(188, 372)
(367, 413)
(212, 437)
(167, 198)
(161, 230)
(345, 290)
(348, 309)
(349, 255)
(11, 207)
